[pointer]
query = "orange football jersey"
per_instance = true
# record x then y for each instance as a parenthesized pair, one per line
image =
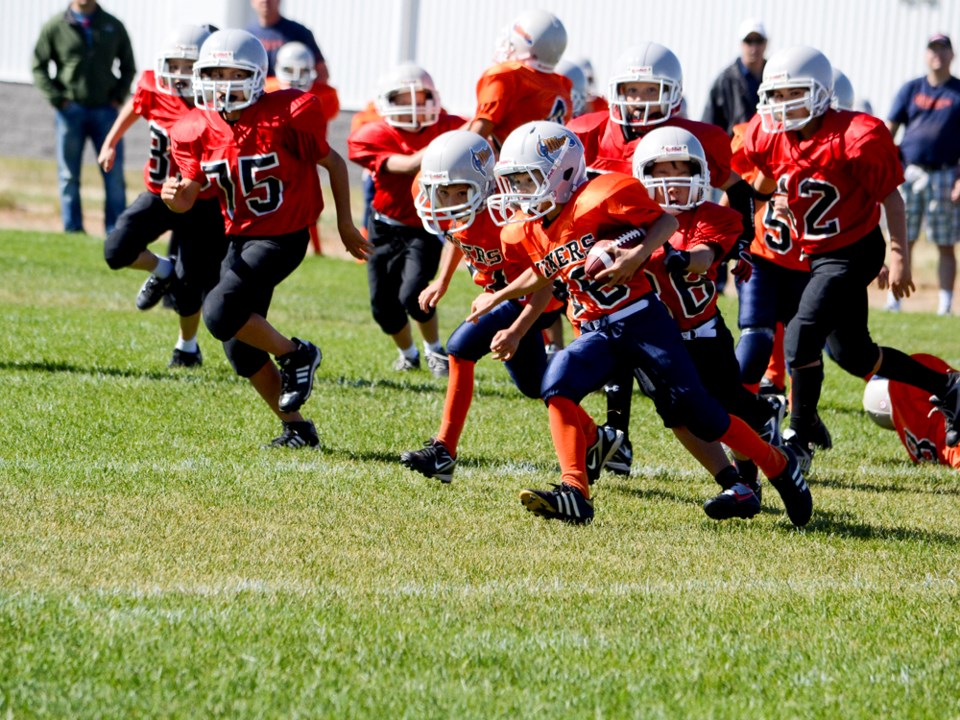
(602, 208)
(510, 94)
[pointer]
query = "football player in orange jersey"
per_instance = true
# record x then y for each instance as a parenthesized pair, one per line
(405, 255)
(832, 171)
(455, 179)
(908, 410)
(197, 242)
(522, 86)
(671, 164)
(646, 92)
(260, 152)
(553, 216)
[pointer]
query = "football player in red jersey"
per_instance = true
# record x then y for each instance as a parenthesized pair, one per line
(455, 179)
(671, 164)
(646, 92)
(832, 171)
(553, 216)
(260, 152)
(908, 410)
(522, 86)
(162, 97)
(405, 255)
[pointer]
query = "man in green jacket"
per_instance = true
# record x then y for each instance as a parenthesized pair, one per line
(83, 43)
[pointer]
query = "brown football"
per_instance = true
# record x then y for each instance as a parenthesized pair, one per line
(600, 256)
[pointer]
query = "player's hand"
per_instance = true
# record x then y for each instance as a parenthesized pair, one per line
(431, 295)
(354, 242)
(106, 158)
(482, 304)
(624, 267)
(172, 194)
(901, 282)
(675, 261)
(883, 277)
(504, 344)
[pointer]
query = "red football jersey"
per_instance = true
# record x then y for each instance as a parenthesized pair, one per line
(606, 150)
(692, 298)
(774, 241)
(602, 208)
(372, 144)
(921, 427)
(510, 94)
(834, 181)
(161, 111)
(264, 166)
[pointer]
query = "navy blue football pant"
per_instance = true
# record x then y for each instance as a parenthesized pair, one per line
(648, 344)
(771, 296)
(252, 268)
(471, 341)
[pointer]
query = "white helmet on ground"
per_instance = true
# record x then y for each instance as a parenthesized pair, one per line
(536, 38)
(541, 154)
(578, 93)
(876, 402)
(458, 157)
(397, 97)
(843, 95)
(647, 63)
(182, 44)
(233, 49)
(797, 67)
(296, 66)
(666, 144)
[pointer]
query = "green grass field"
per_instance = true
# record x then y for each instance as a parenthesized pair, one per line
(156, 562)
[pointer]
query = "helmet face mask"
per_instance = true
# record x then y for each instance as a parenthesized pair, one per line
(541, 165)
(456, 176)
(647, 87)
(408, 99)
(672, 145)
(230, 73)
(295, 66)
(797, 87)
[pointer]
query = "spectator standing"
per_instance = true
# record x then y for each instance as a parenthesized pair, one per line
(733, 96)
(274, 31)
(83, 43)
(928, 108)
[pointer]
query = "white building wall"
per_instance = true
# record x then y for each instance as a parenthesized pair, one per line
(878, 43)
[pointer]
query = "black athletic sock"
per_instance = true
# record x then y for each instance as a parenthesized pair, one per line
(805, 386)
(728, 477)
(897, 365)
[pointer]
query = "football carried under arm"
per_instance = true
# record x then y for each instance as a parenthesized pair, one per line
(628, 260)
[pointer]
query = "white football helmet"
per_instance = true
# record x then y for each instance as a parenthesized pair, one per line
(578, 93)
(796, 67)
(587, 66)
(647, 63)
(667, 144)
(233, 49)
(535, 38)
(541, 165)
(843, 96)
(397, 97)
(182, 44)
(876, 402)
(296, 66)
(458, 157)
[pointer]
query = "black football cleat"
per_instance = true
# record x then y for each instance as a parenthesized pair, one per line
(153, 290)
(296, 435)
(564, 502)
(184, 359)
(793, 490)
(949, 406)
(296, 375)
(737, 501)
(433, 461)
(608, 441)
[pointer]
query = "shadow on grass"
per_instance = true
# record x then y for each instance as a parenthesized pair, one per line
(885, 487)
(844, 525)
(473, 463)
(678, 499)
(440, 387)
(52, 366)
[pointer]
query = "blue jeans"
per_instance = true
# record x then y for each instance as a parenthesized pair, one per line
(75, 124)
